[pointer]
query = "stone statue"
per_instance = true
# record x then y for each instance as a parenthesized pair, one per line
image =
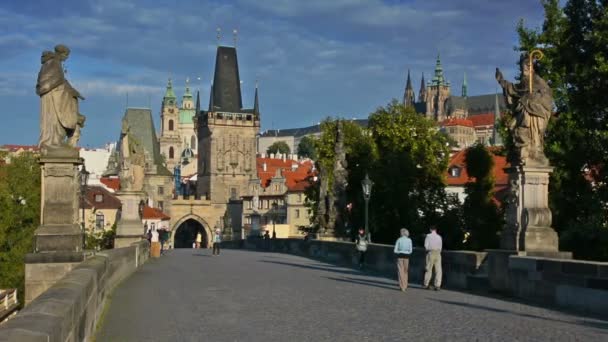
(59, 116)
(132, 168)
(531, 102)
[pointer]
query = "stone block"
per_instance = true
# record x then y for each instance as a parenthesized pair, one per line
(32, 326)
(22, 335)
(597, 283)
(98, 265)
(580, 268)
(603, 270)
(551, 266)
(62, 310)
(523, 263)
(564, 279)
(589, 300)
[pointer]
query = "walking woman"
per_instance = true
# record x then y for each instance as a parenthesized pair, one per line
(403, 250)
(361, 243)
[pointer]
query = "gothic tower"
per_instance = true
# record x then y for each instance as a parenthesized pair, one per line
(170, 142)
(437, 94)
(227, 134)
(422, 93)
(408, 96)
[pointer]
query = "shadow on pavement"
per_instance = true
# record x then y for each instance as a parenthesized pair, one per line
(201, 255)
(589, 323)
(313, 267)
(392, 287)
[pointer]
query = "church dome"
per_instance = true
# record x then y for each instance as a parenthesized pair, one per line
(187, 154)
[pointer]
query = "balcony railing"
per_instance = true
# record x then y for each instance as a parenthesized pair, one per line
(8, 303)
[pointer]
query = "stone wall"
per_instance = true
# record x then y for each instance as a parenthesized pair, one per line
(573, 284)
(70, 309)
(458, 266)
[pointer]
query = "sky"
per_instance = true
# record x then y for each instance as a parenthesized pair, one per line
(312, 59)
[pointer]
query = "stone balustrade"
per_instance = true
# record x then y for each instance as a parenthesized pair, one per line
(8, 303)
(70, 309)
(572, 284)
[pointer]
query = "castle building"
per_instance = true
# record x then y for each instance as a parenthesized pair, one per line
(467, 119)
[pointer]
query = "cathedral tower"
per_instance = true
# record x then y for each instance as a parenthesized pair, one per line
(227, 134)
(170, 142)
(408, 96)
(437, 94)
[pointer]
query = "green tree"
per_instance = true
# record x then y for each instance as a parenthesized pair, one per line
(306, 148)
(278, 147)
(408, 173)
(19, 216)
(482, 217)
(574, 40)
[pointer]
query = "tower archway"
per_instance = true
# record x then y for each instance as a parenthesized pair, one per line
(186, 229)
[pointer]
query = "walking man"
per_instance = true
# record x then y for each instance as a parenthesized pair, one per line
(433, 244)
(403, 250)
(361, 242)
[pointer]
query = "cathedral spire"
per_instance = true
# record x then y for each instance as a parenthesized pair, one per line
(198, 103)
(408, 96)
(422, 92)
(496, 138)
(438, 79)
(464, 85)
(256, 101)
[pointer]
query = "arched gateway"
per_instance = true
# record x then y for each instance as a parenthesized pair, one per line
(185, 230)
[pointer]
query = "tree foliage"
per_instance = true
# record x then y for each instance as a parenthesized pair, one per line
(306, 148)
(574, 40)
(101, 240)
(19, 216)
(278, 147)
(482, 217)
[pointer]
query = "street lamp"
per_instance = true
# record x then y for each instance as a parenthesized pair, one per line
(367, 184)
(84, 179)
(275, 206)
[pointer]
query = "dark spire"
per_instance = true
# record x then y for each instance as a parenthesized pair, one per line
(422, 93)
(408, 96)
(226, 82)
(211, 109)
(496, 138)
(198, 102)
(256, 103)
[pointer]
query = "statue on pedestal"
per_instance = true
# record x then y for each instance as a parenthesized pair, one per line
(531, 103)
(132, 170)
(60, 121)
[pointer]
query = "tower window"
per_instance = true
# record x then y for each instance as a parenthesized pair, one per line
(171, 152)
(170, 125)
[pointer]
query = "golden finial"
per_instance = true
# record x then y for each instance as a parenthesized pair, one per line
(539, 55)
(219, 35)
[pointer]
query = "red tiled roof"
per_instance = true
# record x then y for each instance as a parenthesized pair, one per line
(486, 119)
(295, 178)
(112, 183)
(108, 200)
(154, 214)
(13, 148)
(458, 160)
(457, 122)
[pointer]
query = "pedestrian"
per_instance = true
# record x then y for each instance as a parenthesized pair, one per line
(361, 242)
(217, 240)
(266, 235)
(199, 239)
(433, 245)
(403, 250)
(155, 244)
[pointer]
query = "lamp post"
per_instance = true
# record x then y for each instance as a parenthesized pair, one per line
(275, 206)
(84, 179)
(367, 184)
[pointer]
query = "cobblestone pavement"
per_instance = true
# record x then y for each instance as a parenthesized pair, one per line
(188, 295)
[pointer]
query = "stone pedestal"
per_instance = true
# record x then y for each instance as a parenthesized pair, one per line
(130, 228)
(528, 227)
(59, 240)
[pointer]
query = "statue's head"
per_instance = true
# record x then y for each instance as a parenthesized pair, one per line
(524, 65)
(62, 51)
(46, 56)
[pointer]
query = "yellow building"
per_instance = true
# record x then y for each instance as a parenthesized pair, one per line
(101, 209)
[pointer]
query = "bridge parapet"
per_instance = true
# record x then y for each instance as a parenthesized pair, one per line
(69, 310)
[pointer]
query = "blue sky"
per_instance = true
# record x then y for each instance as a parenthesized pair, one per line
(313, 58)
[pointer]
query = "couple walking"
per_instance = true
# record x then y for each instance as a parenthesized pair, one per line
(403, 249)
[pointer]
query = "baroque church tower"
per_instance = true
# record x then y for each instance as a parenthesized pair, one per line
(227, 134)
(170, 141)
